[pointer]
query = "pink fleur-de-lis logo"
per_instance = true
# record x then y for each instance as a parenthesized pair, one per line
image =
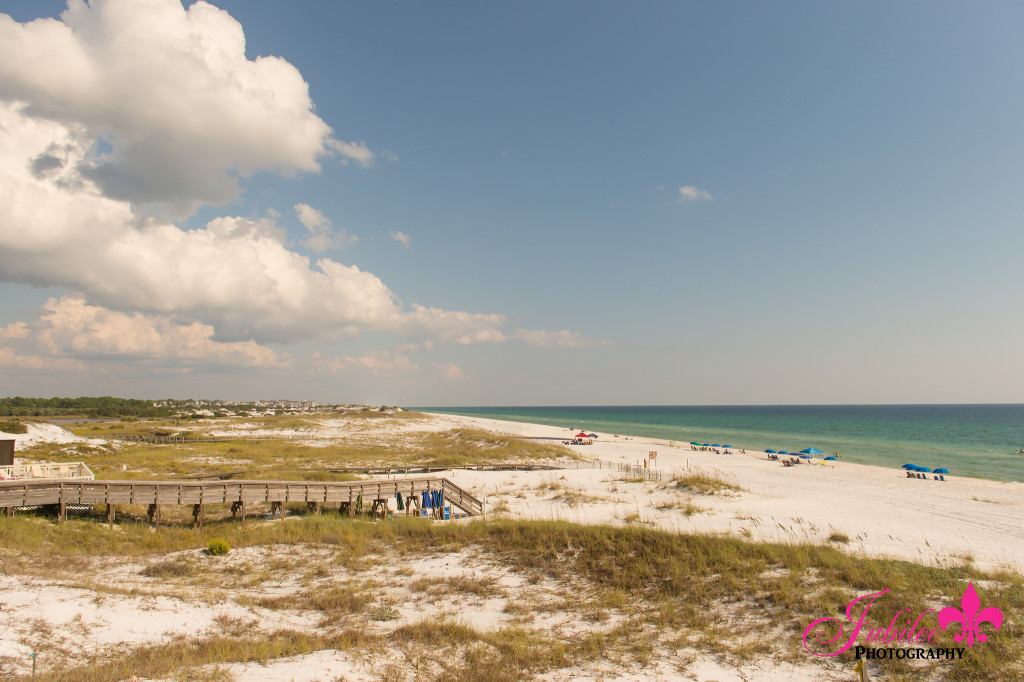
(970, 618)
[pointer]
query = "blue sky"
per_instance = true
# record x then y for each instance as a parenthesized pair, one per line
(669, 203)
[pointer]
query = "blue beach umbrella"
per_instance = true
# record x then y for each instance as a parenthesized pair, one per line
(909, 466)
(783, 452)
(923, 470)
(771, 452)
(726, 445)
(715, 445)
(811, 451)
(707, 445)
(830, 459)
(693, 442)
(940, 471)
(805, 457)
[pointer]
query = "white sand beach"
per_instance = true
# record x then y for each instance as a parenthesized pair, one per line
(884, 513)
(866, 510)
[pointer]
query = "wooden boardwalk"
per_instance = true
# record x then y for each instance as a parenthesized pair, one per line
(399, 469)
(240, 494)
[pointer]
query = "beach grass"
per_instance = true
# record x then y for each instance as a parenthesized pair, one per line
(700, 481)
(278, 459)
(713, 592)
(730, 598)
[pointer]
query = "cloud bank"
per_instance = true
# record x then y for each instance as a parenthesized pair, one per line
(126, 115)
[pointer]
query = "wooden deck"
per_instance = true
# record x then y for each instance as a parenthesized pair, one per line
(240, 494)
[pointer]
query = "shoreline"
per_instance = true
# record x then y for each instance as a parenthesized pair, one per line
(881, 511)
(961, 467)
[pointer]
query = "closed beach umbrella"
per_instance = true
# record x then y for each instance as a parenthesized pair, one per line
(940, 471)
(811, 451)
(771, 452)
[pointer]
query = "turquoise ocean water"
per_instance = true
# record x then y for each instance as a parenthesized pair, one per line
(970, 440)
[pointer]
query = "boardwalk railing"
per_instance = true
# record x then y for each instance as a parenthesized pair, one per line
(32, 471)
(631, 470)
(171, 440)
(28, 493)
(461, 499)
(174, 440)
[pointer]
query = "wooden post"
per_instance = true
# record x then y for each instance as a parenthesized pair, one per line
(312, 507)
(276, 508)
(154, 514)
(110, 513)
(62, 512)
(198, 515)
(10, 512)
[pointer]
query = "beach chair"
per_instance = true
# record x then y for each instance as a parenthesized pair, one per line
(942, 478)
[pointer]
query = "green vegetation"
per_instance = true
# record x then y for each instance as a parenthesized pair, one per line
(701, 482)
(710, 592)
(288, 459)
(469, 446)
(89, 407)
(182, 658)
(13, 426)
(218, 547)
(642, 588)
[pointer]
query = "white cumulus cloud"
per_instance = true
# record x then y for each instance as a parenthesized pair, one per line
(451, 372)
(562, 339)
(379, 363)
(323, 236)
(124, 115)
(15, 330)
(70, 327)
(180, 112)
(689, 193)
(11, 359)
(59, 229)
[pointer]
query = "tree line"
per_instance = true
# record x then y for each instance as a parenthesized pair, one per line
(87, 407)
